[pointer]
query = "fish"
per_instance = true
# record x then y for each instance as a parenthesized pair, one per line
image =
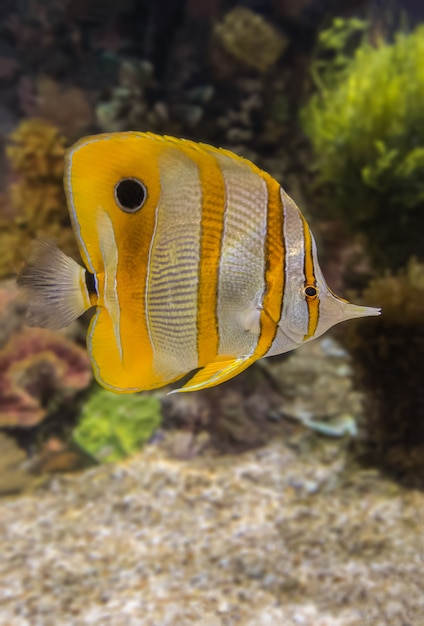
(195, 260)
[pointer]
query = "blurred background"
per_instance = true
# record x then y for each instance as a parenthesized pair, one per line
(328, 97)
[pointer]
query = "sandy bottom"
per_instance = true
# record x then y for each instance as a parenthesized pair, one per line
(263, 538)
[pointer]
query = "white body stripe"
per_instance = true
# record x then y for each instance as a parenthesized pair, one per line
(148, 278)
(241, 282)
(173, 268)
(109, 252)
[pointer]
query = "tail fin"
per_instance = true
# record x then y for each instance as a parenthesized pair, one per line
(55, 287)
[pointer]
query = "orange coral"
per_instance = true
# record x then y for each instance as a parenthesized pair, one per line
(37, 199)
(36, 151)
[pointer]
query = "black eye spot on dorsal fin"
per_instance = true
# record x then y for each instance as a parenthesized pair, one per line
(310, 291)
(130, 194)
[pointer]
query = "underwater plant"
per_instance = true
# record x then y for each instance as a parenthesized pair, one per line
(335, 48)
(41, 372)
(35, 199)
(388, 357)
(112, 427)
(366, 126)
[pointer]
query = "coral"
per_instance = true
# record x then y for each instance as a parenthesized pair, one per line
(41, 372)
(36, 197)
(12, 310)
(68, 109)
(366, 126)
(237, 121)
(126, 108)
(10, 244)
(36, 151)
(129, 106)
(248, 38)
(112, 426)
(388, 356)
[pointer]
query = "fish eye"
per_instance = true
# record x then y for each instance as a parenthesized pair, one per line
(310, 291)
(130, 194)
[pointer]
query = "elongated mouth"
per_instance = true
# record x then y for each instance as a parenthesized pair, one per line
(351, 311)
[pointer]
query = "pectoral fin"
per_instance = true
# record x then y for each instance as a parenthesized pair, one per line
(55, 287)
(216, 373)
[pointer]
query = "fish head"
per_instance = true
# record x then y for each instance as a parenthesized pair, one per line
(113, 187)
(333, 309)
(311, 307)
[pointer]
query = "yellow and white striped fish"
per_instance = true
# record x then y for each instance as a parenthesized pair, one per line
(195, 258)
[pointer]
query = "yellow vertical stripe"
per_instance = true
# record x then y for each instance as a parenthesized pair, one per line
(310, 281)
(275, 255)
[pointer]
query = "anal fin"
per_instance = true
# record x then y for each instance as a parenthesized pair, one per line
(216, 373)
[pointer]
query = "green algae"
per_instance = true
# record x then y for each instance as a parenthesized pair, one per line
(112, 426)
(366, 126)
